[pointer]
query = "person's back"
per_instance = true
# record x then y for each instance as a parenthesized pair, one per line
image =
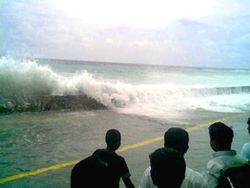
(236, 177)
(90, 172)
(104, 166)
(116, 162)
(117, 165)
(167, 168)
(221, 137)
(176, 138)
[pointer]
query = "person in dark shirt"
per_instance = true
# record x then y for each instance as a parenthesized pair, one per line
(104, 168)
(90, 172)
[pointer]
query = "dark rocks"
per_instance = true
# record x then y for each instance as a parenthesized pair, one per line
(48, 103)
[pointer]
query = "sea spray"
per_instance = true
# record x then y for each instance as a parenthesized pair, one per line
(31, 86)
(22, 78)
(27, 86)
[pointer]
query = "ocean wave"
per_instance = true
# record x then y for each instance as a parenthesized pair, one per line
(28, 86)
(211, 91)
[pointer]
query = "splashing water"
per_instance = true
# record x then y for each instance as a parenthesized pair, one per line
(169, 90)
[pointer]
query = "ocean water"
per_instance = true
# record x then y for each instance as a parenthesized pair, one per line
(154, 91)
(142, 101)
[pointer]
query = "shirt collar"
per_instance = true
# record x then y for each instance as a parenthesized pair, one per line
(224, 153)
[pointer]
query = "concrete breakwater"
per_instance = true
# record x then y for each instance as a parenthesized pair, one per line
(48, 103)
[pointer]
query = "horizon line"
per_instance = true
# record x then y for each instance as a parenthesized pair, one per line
(148, 64)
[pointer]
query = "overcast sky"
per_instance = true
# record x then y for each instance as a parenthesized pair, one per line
(214, 33)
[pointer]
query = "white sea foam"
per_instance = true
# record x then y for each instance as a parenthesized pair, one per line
(158, 100)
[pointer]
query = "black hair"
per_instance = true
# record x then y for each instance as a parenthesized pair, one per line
(176, 138)
(221, 134)
(167, 168)
(113, 138)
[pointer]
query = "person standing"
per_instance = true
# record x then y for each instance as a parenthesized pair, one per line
(176, 138)
(221, 137)
(104, 168)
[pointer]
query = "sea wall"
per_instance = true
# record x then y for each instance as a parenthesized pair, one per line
(48, 103)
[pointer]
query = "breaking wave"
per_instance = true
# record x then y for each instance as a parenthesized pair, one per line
(27, 86)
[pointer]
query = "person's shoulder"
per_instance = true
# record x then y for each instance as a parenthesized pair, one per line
(214, 163)
(245, 151)
(119, 157)
(83, 165)
(192, 173)
(104, 154)
(99, 152)
(114, 157)
(240, 159)
(147, 171)
(193, 179)
(85, 161)
(246, 145)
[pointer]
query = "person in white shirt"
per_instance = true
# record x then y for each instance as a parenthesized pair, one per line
(221, 137)
(176, 138)
(245, 151)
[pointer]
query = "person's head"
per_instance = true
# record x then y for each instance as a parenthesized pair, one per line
(167, 168)
(248, 128)
(221, 136)
(113, 139)
(176, 138)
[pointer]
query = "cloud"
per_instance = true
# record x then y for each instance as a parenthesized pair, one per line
(43, 29)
